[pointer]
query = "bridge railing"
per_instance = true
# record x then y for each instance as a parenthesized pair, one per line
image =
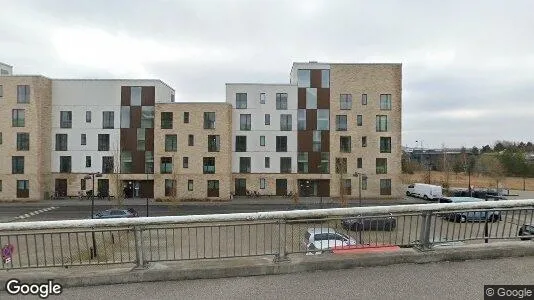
(280, 234)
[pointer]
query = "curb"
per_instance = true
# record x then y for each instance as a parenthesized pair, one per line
(241, 267)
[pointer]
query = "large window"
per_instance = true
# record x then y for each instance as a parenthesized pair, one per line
(301, 119)
(381, 166)
(281, 144)
(316, 143)
(208, 165)
(107, 164)
(385, 144)
(244, 122)
(166, 165)
(23, 141)
(240, 143)
(345, 101)
(323, 119)
(214, 143)
(347, 185)
(170, 187)
(341, 123)
(325, 78)
(126, 162)
(135, 96)
(381, 123)
(303, 78)
(149, 162)
(23, 94)
(125, 117)
(103, 142)
(65, 119)
(108, 120)
(166, 120)
(17, 165)
(345, 144)
(341, 165)
(147, 117)
(267, 119)
(281, 100)
(324, 166)
(302, 162)
(241, 100)
(61, 142)
(141, 139)
(18, 118)
(385, 101)
(23, 188)
(209, 120)
(285, 122)
(385, 186)
(213, 188)
(359, 120)
(285, 164)
(171, 142)
(65, 164)
(244, 165)
(311, 98)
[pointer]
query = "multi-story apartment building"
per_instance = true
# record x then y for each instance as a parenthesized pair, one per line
(330, 127)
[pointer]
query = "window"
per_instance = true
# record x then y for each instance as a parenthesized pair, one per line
(325, 78)
(185, 162)
(311, 98)
(285, 122)
(126, 162)
(172, 98)
(88, 161)
(23, 188)
(65, 119)
(147, 116)
(303, 78)
(262, 140)
(125, 117)
(359, 120)
(61, 142)
(135, 96)
(341, 123)
(281, 100)
(381, 166)
(88, 116)
(241, 100)
(302, 162)
(262, 183)
(359, 162)
(23, 141)
(82, 184)
(341, 165)
(107, 164)
(364, 99)
(209, 120)
(281, 144)
(65, 164)
(170, 187)
(213, 188)
(316, 144)
(347, 186)
(171, 142)
(301, 119)
(262, 98)
(103, 142)
(323, 119)
(385, 186)
(108, 120)
(166, 120)
(166, 165)
(209, 165)
(324, 166)
(364, 141)
(17, 165)
(285, 164)
(385, 101)
(244, 165)
(267, 162)
(23, 94)
(214, 143)
(364, 182)
(1, 95)
(191, 140)
(381, 123)
(345, 144)
(149, 162)
(83, 139)
(141, 135)
(240, 143)
(0, 138)
(267, 119)
(345, 101)
(17, 118)
(385, 145)
(186, 117)
(244, 122)
(190, 185)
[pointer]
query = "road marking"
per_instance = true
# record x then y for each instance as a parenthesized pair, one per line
(34, 213)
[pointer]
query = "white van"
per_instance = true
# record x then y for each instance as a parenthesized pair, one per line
(425, 191)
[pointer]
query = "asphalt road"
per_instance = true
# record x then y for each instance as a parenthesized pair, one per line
(444, 280)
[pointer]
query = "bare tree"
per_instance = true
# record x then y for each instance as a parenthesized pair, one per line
(446, 168)
(295, 196)
(114, 176)
(341, 169)
(491, 166)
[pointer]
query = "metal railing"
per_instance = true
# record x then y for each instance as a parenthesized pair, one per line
(280, 234)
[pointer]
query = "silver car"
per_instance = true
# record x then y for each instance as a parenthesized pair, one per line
(319, 239)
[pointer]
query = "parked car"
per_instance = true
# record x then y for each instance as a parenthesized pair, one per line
(320, 239)
(526, 232)
(362, 223)
(469, 216)
(425, 191)
(116, 213)
(481, 194)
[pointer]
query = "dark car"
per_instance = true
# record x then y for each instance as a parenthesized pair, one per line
(526, 232)
(362, 223)
(116, 213)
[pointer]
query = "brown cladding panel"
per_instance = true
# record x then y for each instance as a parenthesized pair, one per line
(125, 96)
(128, 139)
(138, 162)
(304, 141)
(148, 96)
(149, 139)
(135, 117)
(311, 119)
(302, 98)
(323, 98)
(323, 188)
(325, 141)
(315, 78)
(314, 159)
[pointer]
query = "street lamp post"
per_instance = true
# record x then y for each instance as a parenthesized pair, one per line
(146, 193)
(360, 177)
(92, 176)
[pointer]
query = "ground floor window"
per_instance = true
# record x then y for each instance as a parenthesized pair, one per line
(170, 187)
(213, 188)
(190, 185)
(347, 185)
(240, 186)
(23, 188)
(385, 186)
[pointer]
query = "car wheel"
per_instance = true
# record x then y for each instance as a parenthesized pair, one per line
(425, 197)
(407, 193)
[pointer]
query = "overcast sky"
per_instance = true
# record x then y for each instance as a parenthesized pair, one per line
(468, 66)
